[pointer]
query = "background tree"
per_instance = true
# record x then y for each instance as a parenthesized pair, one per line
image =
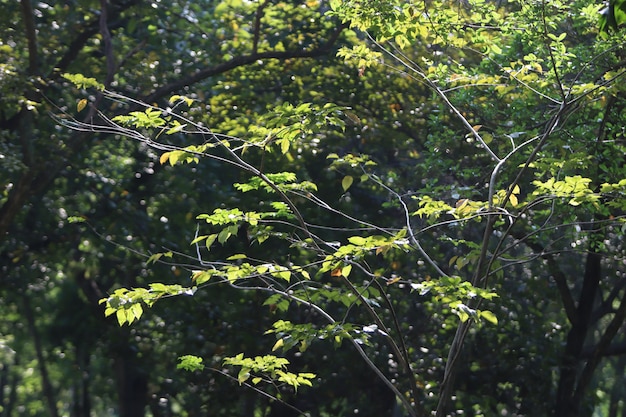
(409, 212)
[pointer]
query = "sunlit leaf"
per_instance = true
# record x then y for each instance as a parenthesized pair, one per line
(81, 104)
(489, 316)
(279, 343)
(347, 182)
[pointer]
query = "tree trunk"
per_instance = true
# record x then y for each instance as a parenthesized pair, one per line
(81, 402)
(132, 383)
(567, 404)
(46, 385)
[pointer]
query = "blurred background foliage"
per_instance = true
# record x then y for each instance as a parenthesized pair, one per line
(238, 60)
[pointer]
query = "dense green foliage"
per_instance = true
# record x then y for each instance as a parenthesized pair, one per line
(271, 208)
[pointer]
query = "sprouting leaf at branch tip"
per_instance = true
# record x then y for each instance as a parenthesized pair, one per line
(190, 363)
(80, 81)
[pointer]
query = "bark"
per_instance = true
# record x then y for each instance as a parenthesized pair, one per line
(567, 403)
(132, 383)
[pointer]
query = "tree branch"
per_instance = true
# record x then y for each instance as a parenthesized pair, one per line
(108, 43)
(239, 61)
(257, 26)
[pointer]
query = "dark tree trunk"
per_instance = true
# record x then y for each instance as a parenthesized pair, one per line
(568, 404)
(130, 377)
(46, 385)
(81, 406)
(132, 383)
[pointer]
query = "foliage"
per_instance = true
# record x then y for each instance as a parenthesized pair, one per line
(269, 368)
(443, 202)
(510, 154)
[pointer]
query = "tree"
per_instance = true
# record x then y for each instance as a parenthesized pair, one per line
(400, 149)
(526, 199)
(48, 173)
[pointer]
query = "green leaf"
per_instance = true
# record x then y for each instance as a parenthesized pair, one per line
(136, 311)
(120, 314)
(243, 375)
(279, 343)
(489, 316)
(224, 235)
(176, 128)
(210, 240)
(346, 182)
(154, 258)
(198, 239)
(345, 271)
(80, 81)
(200, 277)
(76, 219)
(357, 240)
(190, 363)
(178, 98)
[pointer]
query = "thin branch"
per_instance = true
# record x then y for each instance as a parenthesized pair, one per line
(424, 78)
(259, 391)
(551, 53)
(257, 26)
(401, 354)
(407, 219)
(405, 402)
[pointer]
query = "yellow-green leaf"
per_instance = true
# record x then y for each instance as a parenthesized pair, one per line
(209, 241)
(175, 129)
(345, 271)
(347, 182)
(121, 316)
(243, 375)
(200, 277)
(489, 316)
(81, 105)
(279, 343)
